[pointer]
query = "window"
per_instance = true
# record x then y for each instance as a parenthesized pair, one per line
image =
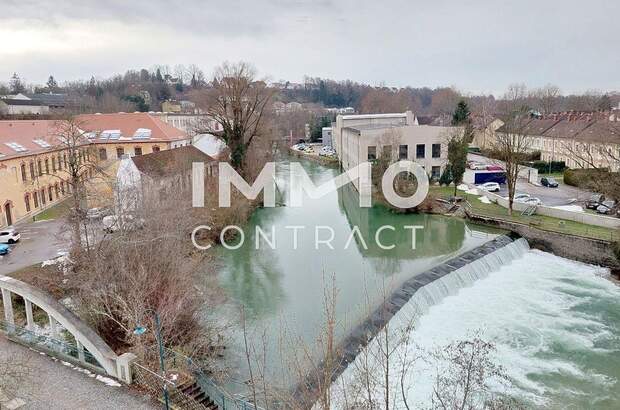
(372, 153)
(23, 169)
(436, 150)
(120, 152)
(40, 167)
(56, 191)
(103, 154)
(155, 148)
(435, 172)
(49, 191)
(54, 164)
(387, 152)
(62, 187)
(64, 159)
(403, 152)
(43, 198)
(420, 150)
(32, 174)
(137, 151)
(59, 163)
(35, 198)
(27, 202)
(47, 166)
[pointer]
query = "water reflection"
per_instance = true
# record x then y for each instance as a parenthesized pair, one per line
(287, 284)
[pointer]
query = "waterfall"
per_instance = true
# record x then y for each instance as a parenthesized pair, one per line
(448, 285)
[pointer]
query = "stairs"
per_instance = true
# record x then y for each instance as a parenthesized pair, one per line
(193, 391)
(529, 211)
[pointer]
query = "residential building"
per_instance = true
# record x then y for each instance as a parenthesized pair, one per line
(116, 135)
(191, 124)
(580, 140)
(171, 106)
(33, 160)
(362, 138)
(33, 165)
(159, 175)
(55, 101)
(20, 104)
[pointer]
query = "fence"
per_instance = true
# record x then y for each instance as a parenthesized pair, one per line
(61, 348)
(154, 384)
(222, 398)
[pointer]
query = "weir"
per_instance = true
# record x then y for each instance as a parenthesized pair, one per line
(423, 291)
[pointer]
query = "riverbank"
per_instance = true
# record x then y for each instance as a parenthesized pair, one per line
(315, 157)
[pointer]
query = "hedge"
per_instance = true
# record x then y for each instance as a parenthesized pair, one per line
(544, 166)
(583, 177)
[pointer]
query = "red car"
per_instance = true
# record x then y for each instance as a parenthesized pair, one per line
(494, 168)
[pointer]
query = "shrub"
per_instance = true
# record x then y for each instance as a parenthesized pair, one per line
(544, 166)
(583, 178)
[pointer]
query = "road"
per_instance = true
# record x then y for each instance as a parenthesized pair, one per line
(39, 241)
(50, 384)
(562, 195)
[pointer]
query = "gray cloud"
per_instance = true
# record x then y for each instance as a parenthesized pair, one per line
(479, 46)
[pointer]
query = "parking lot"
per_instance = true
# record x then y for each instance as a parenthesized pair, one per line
(562, 195)
(39, 241)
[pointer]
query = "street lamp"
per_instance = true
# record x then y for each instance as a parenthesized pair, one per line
(140, 330)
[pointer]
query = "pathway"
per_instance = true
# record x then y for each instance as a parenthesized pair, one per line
(54, 385)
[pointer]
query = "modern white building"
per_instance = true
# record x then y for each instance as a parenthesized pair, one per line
(361, 138)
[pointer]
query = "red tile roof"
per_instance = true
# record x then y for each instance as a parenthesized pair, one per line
(128, 124)
(24, 133)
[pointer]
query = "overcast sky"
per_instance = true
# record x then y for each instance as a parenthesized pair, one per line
(477, 46)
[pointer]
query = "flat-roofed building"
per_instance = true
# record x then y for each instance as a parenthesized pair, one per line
(365, 138)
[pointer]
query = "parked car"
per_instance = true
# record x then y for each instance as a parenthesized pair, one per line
(595, 201)
(327, 152)
(489, 187)
(521, 197)
(96, 213)
(606, 207)
(9, 236)
(533, 201)
(549, 182)
(112, 223)
(477, 166)
(4, 249)
(494, 168)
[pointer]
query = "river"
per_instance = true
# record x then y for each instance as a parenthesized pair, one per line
(282, 289)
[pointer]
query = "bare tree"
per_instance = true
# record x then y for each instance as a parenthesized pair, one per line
(513, 144)
(547, 97)
(77, 165)
(238, 102)
(465, 384)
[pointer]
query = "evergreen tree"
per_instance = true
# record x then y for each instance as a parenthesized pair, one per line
(158, 76)
(461, 114)
(15, 84)
(457, 157)
(604, 103)
(52, 85)
(446, 176)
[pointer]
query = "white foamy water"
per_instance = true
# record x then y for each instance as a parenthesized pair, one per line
(555, 324)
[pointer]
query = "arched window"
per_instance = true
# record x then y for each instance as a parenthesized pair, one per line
(56, 190)
(23, 169)
(35, 197)
(43, 197)
(27, 202)
(49, 191)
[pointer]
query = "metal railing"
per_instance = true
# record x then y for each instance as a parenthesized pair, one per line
(39, 341)
(542, 222)
(222, 398)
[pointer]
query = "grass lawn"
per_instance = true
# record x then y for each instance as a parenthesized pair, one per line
(539, 221)
(57, 211)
